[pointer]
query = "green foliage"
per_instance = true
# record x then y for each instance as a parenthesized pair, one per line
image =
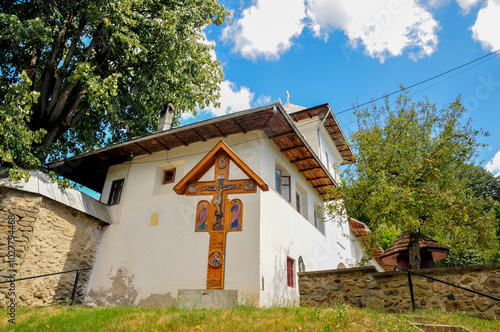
(386, 235)
(481, 182)
(96, 72)
(409, 158)
(16, 140)
(460, 257)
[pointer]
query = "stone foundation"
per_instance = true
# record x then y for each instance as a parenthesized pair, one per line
(365, 287)
(49, 237)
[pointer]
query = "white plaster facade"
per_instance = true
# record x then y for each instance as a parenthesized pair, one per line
(142, 262)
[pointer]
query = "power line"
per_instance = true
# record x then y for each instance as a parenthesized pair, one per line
(422, 82)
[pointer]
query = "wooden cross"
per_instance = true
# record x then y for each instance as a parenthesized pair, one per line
(219, 216)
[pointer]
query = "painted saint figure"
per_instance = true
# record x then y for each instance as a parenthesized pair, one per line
(202, 218)
(215, 262)
(235, 215)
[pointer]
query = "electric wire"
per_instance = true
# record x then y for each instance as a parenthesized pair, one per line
(425, 81)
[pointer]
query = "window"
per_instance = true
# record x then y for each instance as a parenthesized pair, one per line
(282, 183)
(302, 266)
(285, 187)
(168, 176)
(116, 192)
(297, 201)
(317, 215)
(278, 180)
(290, 271)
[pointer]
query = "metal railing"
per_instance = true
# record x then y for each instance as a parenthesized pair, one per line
(77, 277)
(410, 284)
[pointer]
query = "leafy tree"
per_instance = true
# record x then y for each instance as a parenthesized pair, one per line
(409, 157)
(482, 183)
(16, 139)
(101, 70)
(461, 257)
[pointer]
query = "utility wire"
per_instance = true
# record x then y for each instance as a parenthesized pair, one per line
(421, 82)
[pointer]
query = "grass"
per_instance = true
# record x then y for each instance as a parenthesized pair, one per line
(243, 318)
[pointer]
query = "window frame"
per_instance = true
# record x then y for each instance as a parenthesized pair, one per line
(115, 192)
(280, 186)
(165, 172)
(277, 180)
(290, 272)
(298, 204)
(287, 187)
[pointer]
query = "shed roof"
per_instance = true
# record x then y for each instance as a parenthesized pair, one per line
(43, 185)
(402, 243)
(90, 169)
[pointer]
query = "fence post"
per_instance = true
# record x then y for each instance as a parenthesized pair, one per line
(411, 291)
(73, 294)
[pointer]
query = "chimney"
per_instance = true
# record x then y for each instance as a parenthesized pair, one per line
(166, 116)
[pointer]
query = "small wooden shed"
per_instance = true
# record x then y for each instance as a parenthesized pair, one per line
(398, 254)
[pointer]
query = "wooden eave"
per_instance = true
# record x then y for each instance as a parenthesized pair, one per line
(209, 160)
(90, 169)
(332, 127)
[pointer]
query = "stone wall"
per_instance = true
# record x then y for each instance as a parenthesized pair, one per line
(365, 287)
(49, 237)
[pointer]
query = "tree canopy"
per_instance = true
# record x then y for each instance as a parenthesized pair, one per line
(76, 75)
(409, 159)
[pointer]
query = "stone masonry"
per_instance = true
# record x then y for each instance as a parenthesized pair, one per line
(49, 237)
(365, 287)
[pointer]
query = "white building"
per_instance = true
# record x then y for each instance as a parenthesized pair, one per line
(285, 154)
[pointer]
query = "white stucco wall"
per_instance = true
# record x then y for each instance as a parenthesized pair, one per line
(321, 143)
(137, 260)
(286, 233)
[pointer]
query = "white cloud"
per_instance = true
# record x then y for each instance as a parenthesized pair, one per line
(493, 166)
(436, 3)
(267, 28)
(487, 26)
(232, 99)
(384, 28)
(466, 5)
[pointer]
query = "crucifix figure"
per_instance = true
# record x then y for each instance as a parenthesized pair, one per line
(221, 215)
(219, 189)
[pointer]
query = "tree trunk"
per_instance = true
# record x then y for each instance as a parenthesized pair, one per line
(414, 251)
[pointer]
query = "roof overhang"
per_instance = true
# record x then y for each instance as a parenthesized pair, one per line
(330, 123)
(90, 169)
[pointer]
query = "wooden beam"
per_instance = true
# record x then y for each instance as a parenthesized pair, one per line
(267, 120)
(317, 178)
(322, 185)
(143, 147)
(308, 169)
(164, 145)
(302, 159)
(180, 139)
(197, 133)
(220, 131)
(292, 148)
(280, 135)
(241, 128)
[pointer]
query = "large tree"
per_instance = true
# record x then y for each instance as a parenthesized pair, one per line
(409, 157)
(99, 71)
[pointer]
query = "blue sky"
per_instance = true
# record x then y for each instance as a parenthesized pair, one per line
(346, 51)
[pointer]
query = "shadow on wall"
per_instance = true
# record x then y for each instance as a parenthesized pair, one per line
(279, 293)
